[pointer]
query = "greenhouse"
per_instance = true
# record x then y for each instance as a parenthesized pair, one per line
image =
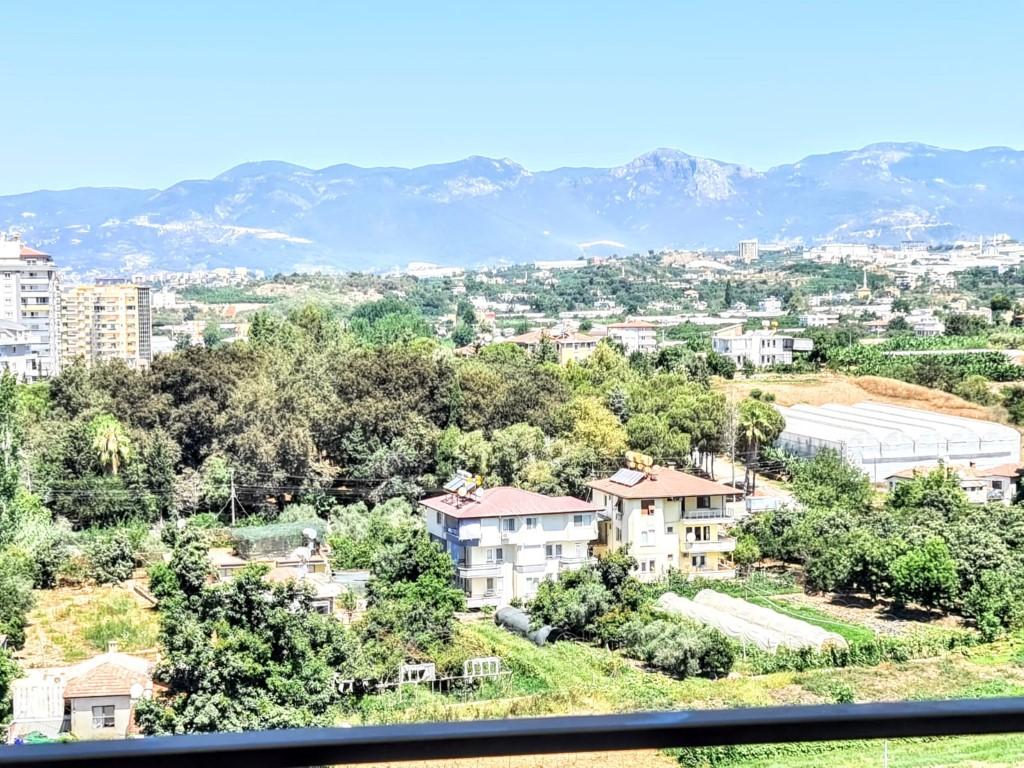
(883, 439)
(749, 624)
(800, 632)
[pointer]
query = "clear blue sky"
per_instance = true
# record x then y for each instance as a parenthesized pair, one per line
(148, 93)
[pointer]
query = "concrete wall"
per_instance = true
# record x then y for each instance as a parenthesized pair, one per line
(81, 717)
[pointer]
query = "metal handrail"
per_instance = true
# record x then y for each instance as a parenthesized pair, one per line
(488, 738)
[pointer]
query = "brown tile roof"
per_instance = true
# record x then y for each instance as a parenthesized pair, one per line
(1003, 470)
(108, 679)
(632, 324)
(505, 501)
(663, 482)
(534, 337)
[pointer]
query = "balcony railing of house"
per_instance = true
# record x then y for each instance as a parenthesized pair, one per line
(722, 544)
(706, 513)
(535, 736)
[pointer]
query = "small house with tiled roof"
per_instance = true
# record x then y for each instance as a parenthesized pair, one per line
(94, 699)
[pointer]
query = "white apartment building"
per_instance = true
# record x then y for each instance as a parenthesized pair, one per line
(761, 348)
(748, 251)
(671, 520)
(505, 541)
(30, 300)
(16, 350)
(634, 336)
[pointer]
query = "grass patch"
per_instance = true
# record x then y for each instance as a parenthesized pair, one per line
(850, 632)
(69, 625)
(1003, 750)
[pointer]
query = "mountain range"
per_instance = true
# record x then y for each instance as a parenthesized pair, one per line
(280, 217)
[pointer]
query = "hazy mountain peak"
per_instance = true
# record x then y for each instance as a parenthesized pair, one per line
(277, 216)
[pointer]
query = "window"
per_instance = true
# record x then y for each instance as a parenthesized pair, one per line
(579, 521)
(553, 551)
(648, 537)
(647, 507)
(703, 502)
(489, 589)
(532, 582)
(669, 529)
(697, 561)
(650, 566)
(103, 717)
(997, 485)
(531, 523)
(643, 566)
(438, 517)
(499, 555)
(508, 524)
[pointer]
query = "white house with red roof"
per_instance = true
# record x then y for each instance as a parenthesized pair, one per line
(94, 699)
(635, 336)
(671, 520)
(505, 541)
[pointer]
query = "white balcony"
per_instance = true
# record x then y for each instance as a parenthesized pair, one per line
(723, 544)
(490, 597)
(480, 571)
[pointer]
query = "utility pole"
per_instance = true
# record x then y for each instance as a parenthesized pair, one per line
(233, 496)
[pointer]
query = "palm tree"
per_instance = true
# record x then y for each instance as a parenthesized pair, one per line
(759, 423)
(110, 441)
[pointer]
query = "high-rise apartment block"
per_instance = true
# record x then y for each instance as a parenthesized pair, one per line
(29, 311)
(110, 320)
(748, 251)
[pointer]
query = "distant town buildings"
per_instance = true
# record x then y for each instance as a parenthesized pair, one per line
(634, 336)
(110, 320)
(760, 348)
(29, 305)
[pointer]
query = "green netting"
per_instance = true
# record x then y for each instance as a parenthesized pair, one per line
(273, 540)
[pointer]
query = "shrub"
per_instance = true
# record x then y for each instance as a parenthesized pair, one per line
(111, 557)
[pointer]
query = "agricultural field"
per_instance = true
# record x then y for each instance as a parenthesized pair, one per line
(823, 388)
(572, 678)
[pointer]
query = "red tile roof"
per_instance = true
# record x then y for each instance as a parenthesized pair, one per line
(108, 679)
(663, 482)
(505, 501)
(29, 251)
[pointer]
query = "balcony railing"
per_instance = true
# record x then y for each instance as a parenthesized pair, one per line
(547, 735)
(723, 544)
(706, 513)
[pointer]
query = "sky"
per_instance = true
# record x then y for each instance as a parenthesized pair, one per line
(145, 94)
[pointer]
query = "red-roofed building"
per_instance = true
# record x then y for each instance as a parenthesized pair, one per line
(671, 520)
(94, 699)
(505, 540)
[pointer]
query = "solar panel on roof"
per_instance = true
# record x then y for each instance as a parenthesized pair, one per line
(460, 479)
(628, 477)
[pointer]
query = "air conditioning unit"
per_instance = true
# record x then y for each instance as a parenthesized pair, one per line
(506, 535)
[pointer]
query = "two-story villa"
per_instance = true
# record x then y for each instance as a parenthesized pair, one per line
(669, 519)
(505, 541)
